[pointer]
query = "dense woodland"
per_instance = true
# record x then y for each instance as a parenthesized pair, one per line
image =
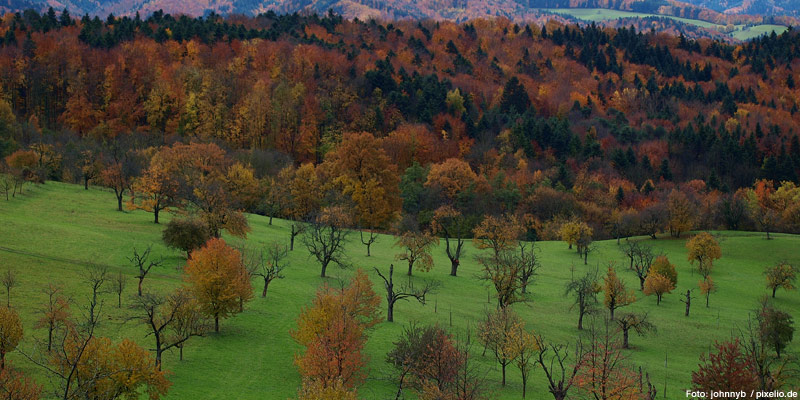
(489, 130)
(548, 123)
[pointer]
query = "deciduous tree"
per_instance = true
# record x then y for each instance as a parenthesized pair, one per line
(707, 287)
(781, 275)
(186, 235)
(14, 385)
(10, 333)
(498, 233)
(55, 313)
(218, 280)
(416, 248)
(703, 249)
(143, 264)
(584, 290)
(496, 334)
(658, 285)
(616, 294)
(270, 264)
(639, 323)
(604, 373)
(326, 236)
(425, 358)
(9, 281)
(451, 224)
(729, 367)
(403, 292)
(681, 213)
(155, 191)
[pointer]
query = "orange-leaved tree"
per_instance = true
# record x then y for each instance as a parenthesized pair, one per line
(416, 248)
(616, 294)
(218, 280)
(333, 331)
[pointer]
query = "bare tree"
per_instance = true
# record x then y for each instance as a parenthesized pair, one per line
(403, 292)
(95, 276)
(557, 367)
(9, 281)
(529, 264)
(161, 313)
(55, 312)
(636, 322)
(641, 257)
(144, 264)
(325, 238)
(119, 282)
(371, 238)
(270, 264)
(585, 290)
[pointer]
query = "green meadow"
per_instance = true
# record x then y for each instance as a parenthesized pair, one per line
(740, 32)
(52, 231)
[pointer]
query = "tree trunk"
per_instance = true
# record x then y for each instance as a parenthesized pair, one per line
(155, 214)
(390, 312)
(119, 300)
(50, 337)
(707, 296)
(612, 313)
(85, 183)
(119, 202)
(625, 339)
(368, 246)
(580, 321)
(773, 291)
(641, 283)
(266, 284)
(270, 219)
(180, 351)
(524, 385)
(658, 299)
(324, 267)
(291, 240)
(141, 278)
(410, 265)
(216, 322)
(504, 374)
(454, 266)
(158, 358)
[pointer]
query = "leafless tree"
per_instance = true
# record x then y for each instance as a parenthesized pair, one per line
(144, 264)
(403, 292)
(9, 281)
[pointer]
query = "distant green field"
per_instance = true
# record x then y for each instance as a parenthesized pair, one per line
(54, 228)
(601, 14)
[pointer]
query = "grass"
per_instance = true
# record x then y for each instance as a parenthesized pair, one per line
(53, 229)
(740, 32)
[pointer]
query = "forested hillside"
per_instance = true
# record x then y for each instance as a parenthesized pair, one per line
(605, 125)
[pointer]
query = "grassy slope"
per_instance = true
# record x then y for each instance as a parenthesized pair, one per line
(252, 357)
(602, 14)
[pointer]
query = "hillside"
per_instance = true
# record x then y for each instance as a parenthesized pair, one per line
(52, 231)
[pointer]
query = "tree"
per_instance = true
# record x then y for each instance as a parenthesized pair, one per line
(681, 215)
(162, 314)
(117, 177)
(450, 223)
(728, 368)
(498, 233)
(703, 249)
(554, 361)
(218, 280)
(503, 272)
(185, 235)
(305, 191)
(687, 300)
(707, 287)
(641, 259)
(416, 250)
(10, 333)
(762, 205)
(332, 331)
(658, 285)
(14, 385)
(781, 275)
(496, 334)
(404, 292)
(118, 284)
(95, 276)
(9, 281)
(425, 358)
(775, 327)
(524, 345)
(638, 322)
(156, 190)
(325, 237)
(143, 264)
(604, 373)
(55, 313)
(616, 294)
(652, 219)
(584, 290)
(271, 263)
(576, 233)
